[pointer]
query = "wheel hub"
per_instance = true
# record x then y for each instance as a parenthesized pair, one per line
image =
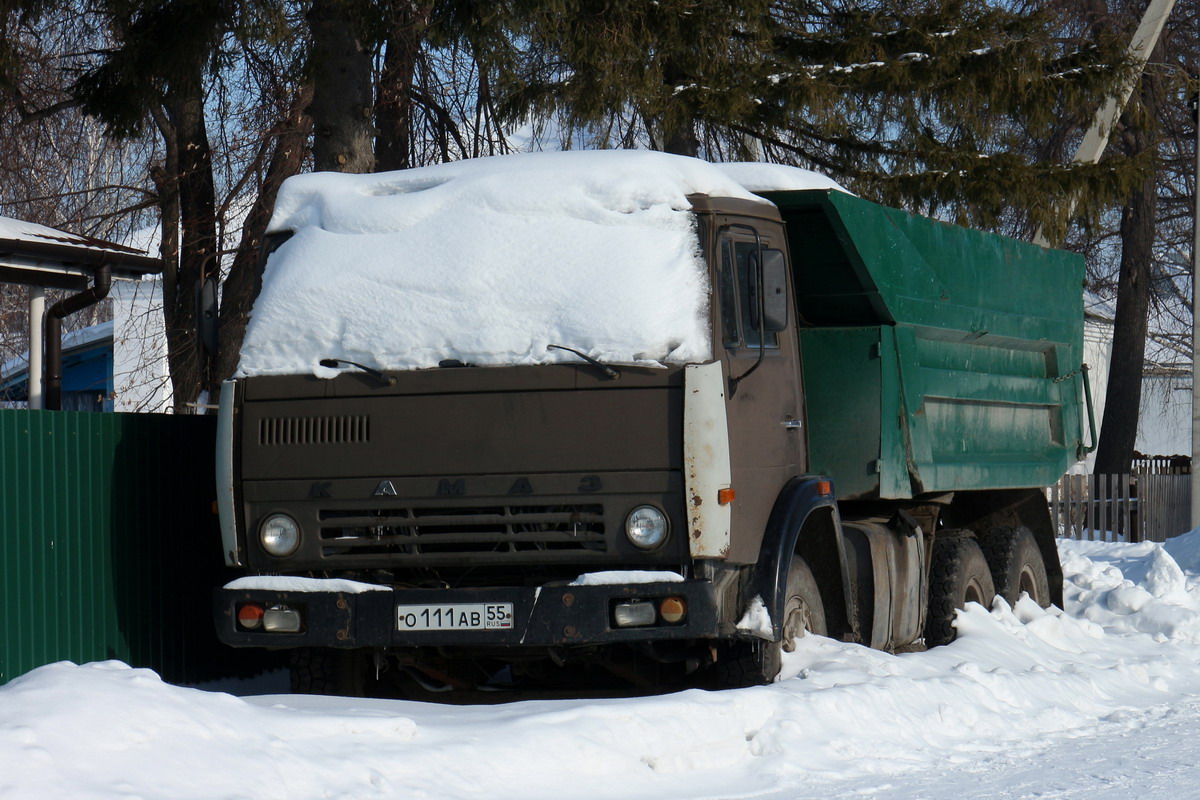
(795, 623)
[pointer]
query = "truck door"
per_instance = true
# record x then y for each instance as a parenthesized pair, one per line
(764, 404)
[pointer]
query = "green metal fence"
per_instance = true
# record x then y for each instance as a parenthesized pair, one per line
(109, 547)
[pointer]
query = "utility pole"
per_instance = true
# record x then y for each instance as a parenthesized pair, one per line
(1096, 139)
(1195, 102)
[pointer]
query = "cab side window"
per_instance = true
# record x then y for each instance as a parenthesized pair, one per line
(739, 295)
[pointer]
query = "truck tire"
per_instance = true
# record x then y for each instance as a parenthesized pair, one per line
(757, 663)
(322, 670)
(959, 575)
(1017, 564)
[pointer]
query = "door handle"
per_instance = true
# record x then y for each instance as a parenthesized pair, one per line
(792, 424)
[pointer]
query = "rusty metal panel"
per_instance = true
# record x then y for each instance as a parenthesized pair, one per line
(109, 547)
(706, 460)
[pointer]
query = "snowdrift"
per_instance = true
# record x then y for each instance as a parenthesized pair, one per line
(1017, 682)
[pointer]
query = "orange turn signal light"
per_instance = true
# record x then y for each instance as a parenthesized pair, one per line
(250, 616)
(672, 609)
(825, 487)
(726, 496)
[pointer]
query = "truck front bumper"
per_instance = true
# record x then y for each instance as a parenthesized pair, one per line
(541, 616)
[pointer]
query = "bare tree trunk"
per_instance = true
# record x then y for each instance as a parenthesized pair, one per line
(342, 107)
(393, 112)
(1118, 432)
(245, 276)
(189, 241)
(166, 182)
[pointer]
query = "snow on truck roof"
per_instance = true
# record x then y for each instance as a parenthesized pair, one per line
(488, 261)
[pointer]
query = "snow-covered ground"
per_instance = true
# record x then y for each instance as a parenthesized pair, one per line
(1102, 701)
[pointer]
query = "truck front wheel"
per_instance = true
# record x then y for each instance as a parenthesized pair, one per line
(959, 575)
(757, 663)
(323, 670)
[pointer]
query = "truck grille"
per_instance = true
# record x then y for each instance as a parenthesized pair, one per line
(314, 430)
(525, 530)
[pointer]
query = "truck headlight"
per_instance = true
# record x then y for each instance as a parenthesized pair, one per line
(646, 527)
(280, 535)
(281, 619)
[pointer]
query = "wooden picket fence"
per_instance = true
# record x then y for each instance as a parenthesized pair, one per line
(1162, 465)
(1124, 508)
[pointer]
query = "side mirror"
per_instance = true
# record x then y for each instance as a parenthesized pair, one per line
(206, 314)
(775, 298)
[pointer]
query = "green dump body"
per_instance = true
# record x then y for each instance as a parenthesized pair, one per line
(935, 358)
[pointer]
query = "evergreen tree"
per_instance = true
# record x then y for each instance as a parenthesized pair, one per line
(668, 68)
(916, 103)
(958, 108)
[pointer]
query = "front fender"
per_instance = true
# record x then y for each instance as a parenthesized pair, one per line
(805, 507)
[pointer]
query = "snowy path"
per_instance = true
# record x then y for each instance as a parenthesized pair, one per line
(1151, 756)
(1100, 702)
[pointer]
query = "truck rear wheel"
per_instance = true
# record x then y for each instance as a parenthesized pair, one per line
(959, 575)
(1017, 565)
(758, 662)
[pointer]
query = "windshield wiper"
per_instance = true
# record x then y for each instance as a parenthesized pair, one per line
(608, 371)
(334, 363)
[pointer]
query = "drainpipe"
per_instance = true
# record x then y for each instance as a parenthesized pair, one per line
(37, 323)
(64, 308)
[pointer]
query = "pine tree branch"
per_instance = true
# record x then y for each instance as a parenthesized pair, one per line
(30, 117)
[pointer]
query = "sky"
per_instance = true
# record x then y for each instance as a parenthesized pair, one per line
(1101, 700)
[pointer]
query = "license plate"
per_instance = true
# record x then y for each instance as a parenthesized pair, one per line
(455, 617)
